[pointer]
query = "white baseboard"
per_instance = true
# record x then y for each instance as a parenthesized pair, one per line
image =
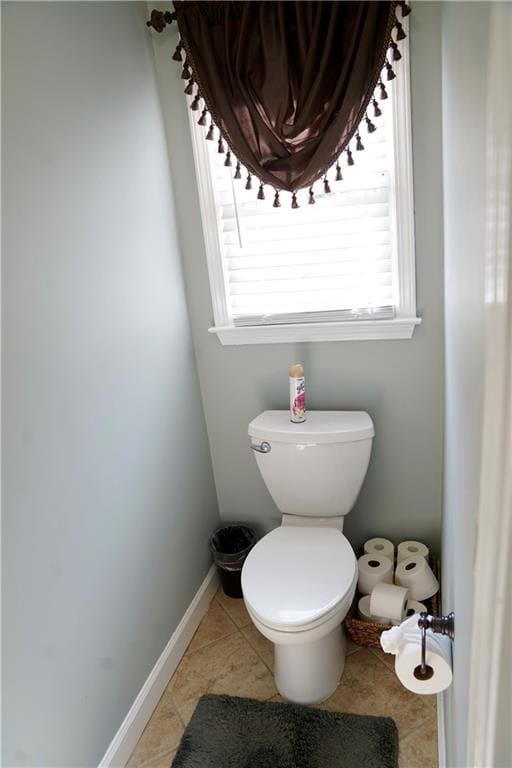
(441, 733)
(125, 740)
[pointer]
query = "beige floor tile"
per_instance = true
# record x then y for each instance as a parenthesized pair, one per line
(367, 687)
(351, 646)
(263, 647)
(227, 666)
(161, 735)
(279, 699)
(162, 761)
(215, 625)
(419, 748)
(387, 658)
(235, 608)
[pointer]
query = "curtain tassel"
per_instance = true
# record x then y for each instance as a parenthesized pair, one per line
(177, 53)
(359, 143)
(248, 183)
(227, 161)
(350, 159)
(294, 201)
(261, 193)
(391, 75)
(186, 74)
(383, 92)
(400, 34)
(377, 112)
(195, 103)
(405, 8)
(311, 200)
(189, 90)
(220, 146)
(202, 119)
(339, 175)
(238, 173)
(327, 188)
(209, 135)
(396, 53)
(276, 203)
(369, 125)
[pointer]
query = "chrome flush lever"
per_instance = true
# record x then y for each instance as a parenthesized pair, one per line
(263, 447)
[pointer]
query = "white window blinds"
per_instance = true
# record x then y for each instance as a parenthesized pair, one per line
(330, 261)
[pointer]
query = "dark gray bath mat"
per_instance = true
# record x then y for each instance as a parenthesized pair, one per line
(228, 732)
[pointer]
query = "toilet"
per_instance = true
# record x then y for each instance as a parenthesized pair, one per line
(299, 580)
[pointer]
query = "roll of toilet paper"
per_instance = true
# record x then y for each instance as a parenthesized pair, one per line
(413, 606)
(410, 549)
(438, 662)
(389, 600)
(379, 546)
(372, 570)
(416, 574)
(364, 613)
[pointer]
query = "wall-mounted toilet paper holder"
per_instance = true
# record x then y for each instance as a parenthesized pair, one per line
(441, 625)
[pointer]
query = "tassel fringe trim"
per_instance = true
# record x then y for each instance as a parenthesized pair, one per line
(160, 20)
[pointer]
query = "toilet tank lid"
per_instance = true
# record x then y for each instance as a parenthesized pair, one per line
(319, 427)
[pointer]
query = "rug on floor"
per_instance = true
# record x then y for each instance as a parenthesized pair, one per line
(230, 732)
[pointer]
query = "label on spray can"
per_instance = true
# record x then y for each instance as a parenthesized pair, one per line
(297, 394)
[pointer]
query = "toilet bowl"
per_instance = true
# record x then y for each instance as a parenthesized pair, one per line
(299, 580)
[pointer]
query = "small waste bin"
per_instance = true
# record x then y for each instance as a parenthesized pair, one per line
(230, 546)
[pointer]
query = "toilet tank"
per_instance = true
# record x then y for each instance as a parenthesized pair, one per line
(316, 468)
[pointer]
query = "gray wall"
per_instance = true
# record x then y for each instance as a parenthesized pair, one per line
(398, 382)
(465, 45)
(108, 490)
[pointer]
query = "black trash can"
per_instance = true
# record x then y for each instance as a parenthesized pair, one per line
(230, 546)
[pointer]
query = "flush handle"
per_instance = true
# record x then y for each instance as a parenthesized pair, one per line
(263, 447)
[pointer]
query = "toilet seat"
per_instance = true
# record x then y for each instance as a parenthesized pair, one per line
(298, 577)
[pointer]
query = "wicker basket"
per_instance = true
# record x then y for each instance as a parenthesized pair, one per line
(368, 632)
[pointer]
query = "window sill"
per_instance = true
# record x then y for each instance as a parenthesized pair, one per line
(351, 330)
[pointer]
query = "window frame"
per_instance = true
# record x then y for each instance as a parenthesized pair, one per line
(402, 325)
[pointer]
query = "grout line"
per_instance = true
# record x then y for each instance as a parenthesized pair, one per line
(377, 656)
(206, 645)
(210, 642)
(258, 654)
(177, 711)
(178, 715)
(226, 611)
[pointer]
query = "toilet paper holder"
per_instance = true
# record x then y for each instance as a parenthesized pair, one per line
(441, 625)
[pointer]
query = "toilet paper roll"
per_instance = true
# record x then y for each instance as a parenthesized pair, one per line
(413, 606)
(389, 600)
(372, 570)
(364, 613)
(379, 546)
(438, 660)
(410, 549)
(416, 574)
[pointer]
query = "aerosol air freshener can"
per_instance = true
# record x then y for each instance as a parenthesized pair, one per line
(297, 394)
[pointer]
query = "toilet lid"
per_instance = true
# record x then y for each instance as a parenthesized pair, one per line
(295, 575)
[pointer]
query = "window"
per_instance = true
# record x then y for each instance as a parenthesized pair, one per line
(340, 269)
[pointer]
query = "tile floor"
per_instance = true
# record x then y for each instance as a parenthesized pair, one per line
(228, 655)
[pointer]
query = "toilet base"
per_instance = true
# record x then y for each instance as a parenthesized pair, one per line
(309, 673)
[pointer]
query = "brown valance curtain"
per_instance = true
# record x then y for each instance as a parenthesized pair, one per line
(286, 86)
